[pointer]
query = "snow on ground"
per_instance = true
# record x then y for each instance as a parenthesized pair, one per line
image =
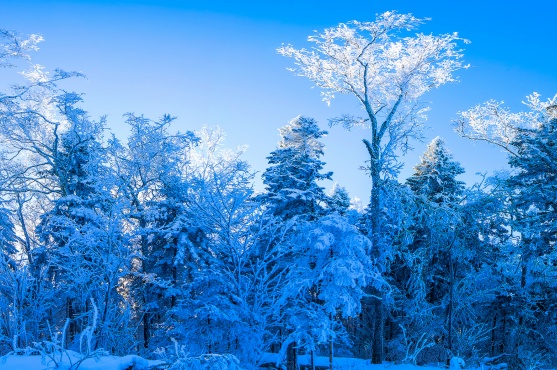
(104, 363)
(133, 362)
(138, 363)
(346, 363)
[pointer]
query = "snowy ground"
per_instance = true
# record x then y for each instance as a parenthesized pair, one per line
(138, 363)
(346, 363)
(104, 363)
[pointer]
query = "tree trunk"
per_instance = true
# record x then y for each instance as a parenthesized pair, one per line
(451, 303)
(145, 269)
(378, 337)
(330, 354)
(377, 357)
(492, 344)
(291, 357)
(331, 346)
(73, 325)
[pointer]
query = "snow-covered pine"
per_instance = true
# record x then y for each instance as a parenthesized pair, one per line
(82, 242)
(339, 199)
(292, 193)
(293, 172)
(439, 257)
(533, 199)
(330, 269)
(151, 170)
(435, 175)
(527, 260)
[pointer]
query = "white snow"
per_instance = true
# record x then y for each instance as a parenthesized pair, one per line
(346, 363)
(130, 362)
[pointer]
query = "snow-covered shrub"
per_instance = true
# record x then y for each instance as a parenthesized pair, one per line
(53, 351)
(414, 347)
(457, 363)
(207, 362)
(179, 359)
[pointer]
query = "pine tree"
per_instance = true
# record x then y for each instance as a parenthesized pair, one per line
(436, 240)
(82, 241)
(173, 235)
(295, 168)
(291, 182)
(536, 185)
(533, 189)
(435, 176)
(151, 170)
(339, 200)
(7, 238)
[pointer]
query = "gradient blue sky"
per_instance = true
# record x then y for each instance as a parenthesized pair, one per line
(215, 63)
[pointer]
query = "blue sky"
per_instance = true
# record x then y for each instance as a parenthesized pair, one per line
(215, 63)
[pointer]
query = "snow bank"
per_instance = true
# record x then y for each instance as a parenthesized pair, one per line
(207, 362)
(345, 363)
(104, 363)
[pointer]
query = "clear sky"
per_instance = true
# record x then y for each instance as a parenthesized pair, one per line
(215, 63)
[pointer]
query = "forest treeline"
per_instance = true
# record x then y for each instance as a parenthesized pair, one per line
(161, 241)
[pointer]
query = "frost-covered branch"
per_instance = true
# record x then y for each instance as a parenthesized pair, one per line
(494, 123)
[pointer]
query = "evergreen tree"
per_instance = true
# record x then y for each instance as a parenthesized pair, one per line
(339, 200)
(535, 184)
(7, 238)
(435, 175)
(295, 168)
(70, 228)
(533, 200)
(83, 245)
(152, 173)
(291, 184)
(429, 262)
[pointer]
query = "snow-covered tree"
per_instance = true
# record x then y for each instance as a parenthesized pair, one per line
(70, 232)
(295, 167)
(528, 196)
(291, 184)
(494, 123)
(534, 198)
(33, 175)
(330, 270)
(231, 302)
(435, 176)
(387, 74)
(437, 235)
(78, 244)
(8, 238)
(14, 46)
(339, 199)
(151, 170)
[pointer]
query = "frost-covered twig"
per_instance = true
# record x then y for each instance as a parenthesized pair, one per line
(413, 349)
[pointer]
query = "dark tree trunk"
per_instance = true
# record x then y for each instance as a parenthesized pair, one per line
(451, 303)
(378, 337)
(73, 325)
(291, 357)
(145, 269)
(330, 354)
